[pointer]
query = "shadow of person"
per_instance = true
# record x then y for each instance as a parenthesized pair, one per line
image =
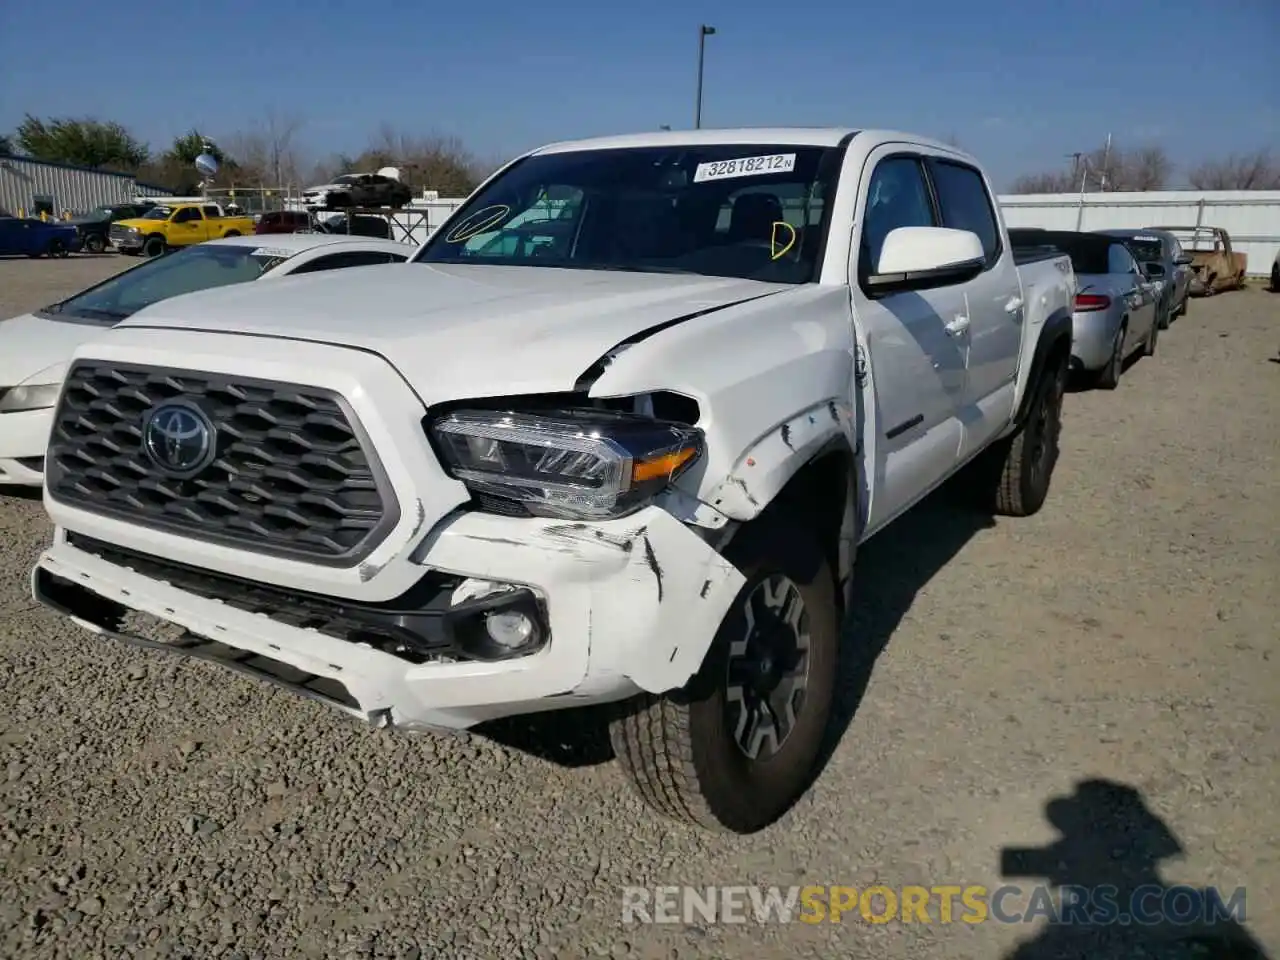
(1112, 904)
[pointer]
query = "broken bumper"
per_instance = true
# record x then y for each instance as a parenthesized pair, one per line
(629, 605)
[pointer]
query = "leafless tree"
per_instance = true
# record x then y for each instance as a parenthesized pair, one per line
(1114, 169)
(427, 161)
(1147, 168)
(268, 150)
(1058, 182)
(1255, 171)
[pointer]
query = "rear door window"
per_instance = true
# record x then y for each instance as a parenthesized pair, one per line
(965, 204)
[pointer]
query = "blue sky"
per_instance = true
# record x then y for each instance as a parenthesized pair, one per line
(1020, 84)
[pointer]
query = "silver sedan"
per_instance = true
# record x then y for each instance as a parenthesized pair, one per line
(1116, 302)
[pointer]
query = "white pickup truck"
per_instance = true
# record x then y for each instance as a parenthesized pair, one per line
(621, 452)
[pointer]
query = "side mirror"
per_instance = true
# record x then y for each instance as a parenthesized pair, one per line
(1153, 271)
(920, 258)
(1185, 260)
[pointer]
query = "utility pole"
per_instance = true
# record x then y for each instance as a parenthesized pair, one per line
(704, 31)
(1106, 163)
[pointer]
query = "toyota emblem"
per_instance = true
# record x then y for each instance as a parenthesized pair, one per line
(178, 438)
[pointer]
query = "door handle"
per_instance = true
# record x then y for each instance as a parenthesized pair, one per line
(1014, 305)
(957, 326)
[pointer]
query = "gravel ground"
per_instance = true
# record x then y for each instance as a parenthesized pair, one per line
(1127, 634)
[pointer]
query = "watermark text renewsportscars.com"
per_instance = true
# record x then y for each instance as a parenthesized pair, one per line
(1068, 905)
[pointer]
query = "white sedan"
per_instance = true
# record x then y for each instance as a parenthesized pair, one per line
(35, 347)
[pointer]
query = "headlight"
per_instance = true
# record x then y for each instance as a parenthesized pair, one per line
(581, 464)
(38, 392)
(35, 396)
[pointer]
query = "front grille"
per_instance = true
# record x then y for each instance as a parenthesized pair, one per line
(291, 475)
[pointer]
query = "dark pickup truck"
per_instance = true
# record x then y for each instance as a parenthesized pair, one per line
(93, 226)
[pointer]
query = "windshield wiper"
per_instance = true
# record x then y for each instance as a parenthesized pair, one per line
(633, 268)
(97, 313)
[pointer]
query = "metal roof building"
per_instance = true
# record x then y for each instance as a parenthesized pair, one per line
(31, 186)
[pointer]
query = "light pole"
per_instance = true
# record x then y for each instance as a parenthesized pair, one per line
(703, 32)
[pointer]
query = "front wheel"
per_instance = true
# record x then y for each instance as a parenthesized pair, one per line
(154, 247)
(57, 248)
(736, 747)
(1275, 278)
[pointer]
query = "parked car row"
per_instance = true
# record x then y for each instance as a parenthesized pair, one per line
(1132, 285)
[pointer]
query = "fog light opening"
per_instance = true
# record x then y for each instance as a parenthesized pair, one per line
(497, 624)
(509, 630)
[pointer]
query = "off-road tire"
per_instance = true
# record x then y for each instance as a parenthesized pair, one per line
(153, 246)
(1024, 462)
(677, 749)
(1108, 378)
(95, 243)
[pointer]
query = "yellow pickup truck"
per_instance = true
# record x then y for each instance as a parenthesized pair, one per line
(175, 225)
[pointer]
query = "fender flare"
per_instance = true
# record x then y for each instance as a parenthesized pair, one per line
(1056, 330)
(762, 470)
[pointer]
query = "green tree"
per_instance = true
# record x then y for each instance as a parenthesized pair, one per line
(190, 145)
(83, 141)
(6, 145)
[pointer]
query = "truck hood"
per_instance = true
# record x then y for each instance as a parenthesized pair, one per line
(459, 331)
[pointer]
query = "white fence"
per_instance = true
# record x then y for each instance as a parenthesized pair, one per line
(1251, 217)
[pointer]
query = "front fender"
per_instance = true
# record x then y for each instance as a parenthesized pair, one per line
(1055, 334)
(764, 468)
(773, 379)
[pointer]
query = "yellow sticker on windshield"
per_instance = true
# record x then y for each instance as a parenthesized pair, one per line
(478, 222)
(782, 245)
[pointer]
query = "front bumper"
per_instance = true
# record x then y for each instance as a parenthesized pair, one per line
(127, 243)
(1093, 336)
(630, 605)
(23, 438)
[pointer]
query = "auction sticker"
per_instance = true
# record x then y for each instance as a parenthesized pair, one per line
(745, 167)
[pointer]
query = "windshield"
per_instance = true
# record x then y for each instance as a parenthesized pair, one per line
(199, 267)
(1146, 249)
(158, 213)
(751, 211)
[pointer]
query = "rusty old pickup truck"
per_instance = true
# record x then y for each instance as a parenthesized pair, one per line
(1215, 265)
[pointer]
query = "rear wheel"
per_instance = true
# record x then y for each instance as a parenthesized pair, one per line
(95, 243)
(1022, 465)
(1275, 278)
(232, 233)
(1149, 347)
(1108, 378)
(57, 247)
(735, 747)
